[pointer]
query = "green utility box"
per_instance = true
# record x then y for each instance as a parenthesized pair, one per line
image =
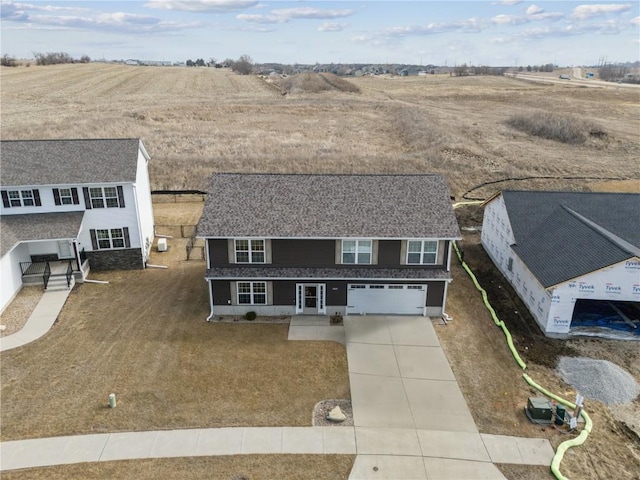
(539, 408)
(560, 412)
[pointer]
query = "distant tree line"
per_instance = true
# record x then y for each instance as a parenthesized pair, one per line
(55, 58)
(8, 61)
(618, 73)
(463, 70)
(548, 67)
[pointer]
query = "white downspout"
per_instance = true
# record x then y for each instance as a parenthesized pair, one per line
(445, 316)
(210, 299)
(208, 263)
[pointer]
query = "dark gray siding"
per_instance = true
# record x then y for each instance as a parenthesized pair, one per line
(284, 292)
(435, 294)
(219, 252)
(389, 253)
(221, 290)
(307, 253)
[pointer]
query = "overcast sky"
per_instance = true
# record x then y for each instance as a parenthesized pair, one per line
(506, 32)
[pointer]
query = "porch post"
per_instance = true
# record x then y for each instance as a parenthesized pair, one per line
(76, 254)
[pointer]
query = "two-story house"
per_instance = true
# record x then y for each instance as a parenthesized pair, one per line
(326, 244)
(71, 205)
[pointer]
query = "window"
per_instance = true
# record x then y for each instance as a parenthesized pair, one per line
(355, 287)
(422, 252)
(65, 196)
(376, 287)
(396, 287)
(415, 287)
(250, 251)
(109, 238)
(104, 197)
(356, 251)
(252, 293)
(510, 264)
(21, 198)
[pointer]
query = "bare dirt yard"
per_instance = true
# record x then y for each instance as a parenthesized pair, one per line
(492, 382)
(195, 121)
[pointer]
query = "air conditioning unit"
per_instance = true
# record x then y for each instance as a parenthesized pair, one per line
(162, 245)
(539, 410)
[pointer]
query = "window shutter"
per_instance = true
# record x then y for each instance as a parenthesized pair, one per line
(74, 195)
(87, 200)
(5, 200)
(36, 197)
(56, 196)
(120, 196)
(94, 239)
(127, 241)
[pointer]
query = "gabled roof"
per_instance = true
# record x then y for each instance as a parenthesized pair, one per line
(38, 226)
(563, 235)
(328, 206)
(64, 162)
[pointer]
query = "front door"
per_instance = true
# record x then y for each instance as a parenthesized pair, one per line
(310, 299)
(64, 249)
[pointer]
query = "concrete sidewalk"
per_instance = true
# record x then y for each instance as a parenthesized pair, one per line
(40, 321)
(315, 327)
(175, 443)
(395, 452)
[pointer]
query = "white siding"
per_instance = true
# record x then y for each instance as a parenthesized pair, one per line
(497, 238)
(10, 274)
(46, 198)
(617, 282)
(142, 191)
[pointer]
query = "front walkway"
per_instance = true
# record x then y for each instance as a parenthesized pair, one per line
(41, 320)
(411, 419)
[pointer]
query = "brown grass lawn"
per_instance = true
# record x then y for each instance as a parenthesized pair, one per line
(144, 337)
(239, 467)
(197, 121)
(493, 387)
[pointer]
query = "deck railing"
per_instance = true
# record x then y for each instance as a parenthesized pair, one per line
(46, 275)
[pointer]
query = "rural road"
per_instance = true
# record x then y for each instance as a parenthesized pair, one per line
(577, 80)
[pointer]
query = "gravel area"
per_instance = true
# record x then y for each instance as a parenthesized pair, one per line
(322, 409)
(19, 310)
(599, 379)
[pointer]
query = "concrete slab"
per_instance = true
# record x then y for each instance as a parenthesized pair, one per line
(380, 467)
(379, 402)
(84, 448)
(338, 440)
(175, 443)
(262, 440)
(456, 445)
(502, 449)
(535, 451)
(20, 454)
(423, 362)
(219, 441)
(417, 331)
(372, 359)
(306, 320)
(447, 469)
(387, 441)
(334, 333)
(367, 329)
(438, 405)
(122, 446)
(302, 440)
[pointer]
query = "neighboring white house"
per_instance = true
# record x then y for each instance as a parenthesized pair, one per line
(72, 204)
(572, 257)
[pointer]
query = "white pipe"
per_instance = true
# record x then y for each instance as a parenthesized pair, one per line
(101, 282)
(210, 300)
(156, 266)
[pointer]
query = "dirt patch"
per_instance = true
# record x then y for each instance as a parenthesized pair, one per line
(237, 467)
(322, 409)
(492, 382)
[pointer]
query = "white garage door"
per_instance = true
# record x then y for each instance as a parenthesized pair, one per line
(388, 299)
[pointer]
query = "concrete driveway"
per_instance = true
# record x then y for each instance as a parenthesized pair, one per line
(411, 420)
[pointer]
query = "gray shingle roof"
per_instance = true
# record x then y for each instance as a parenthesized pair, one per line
(563, 235)
(346, 273)
(38, 226)
(60, 162)
(328, 206)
